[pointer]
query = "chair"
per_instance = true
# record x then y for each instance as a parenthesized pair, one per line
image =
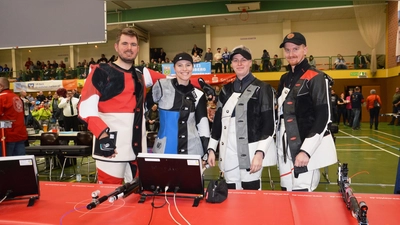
(83, 138)
(151, 137)
(50, 138)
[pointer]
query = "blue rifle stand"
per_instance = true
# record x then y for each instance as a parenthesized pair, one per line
(397, 184)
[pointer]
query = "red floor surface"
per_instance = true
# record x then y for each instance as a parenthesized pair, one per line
(65, 203)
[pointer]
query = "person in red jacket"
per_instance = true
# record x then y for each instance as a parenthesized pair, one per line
(12, 108)
(374, 104)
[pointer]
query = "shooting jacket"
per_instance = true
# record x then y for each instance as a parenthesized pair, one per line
(252, 109)
(305, 112)
(113, 99)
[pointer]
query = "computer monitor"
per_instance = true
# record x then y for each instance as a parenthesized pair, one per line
(181, 173)
(18, 177)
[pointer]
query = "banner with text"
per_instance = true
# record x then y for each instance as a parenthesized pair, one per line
(198, 68)
(216, 79)
(48, 85)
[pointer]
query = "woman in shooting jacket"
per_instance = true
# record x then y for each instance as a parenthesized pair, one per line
(243, 126)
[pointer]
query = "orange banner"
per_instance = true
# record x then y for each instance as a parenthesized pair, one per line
(217, 79)
(70, 84)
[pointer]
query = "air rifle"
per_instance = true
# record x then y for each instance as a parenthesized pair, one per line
(121, 191)
(358, 210)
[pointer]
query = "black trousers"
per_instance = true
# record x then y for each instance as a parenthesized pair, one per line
(227, 68)
(71, 123)
(218, 66)
(334, 114)
(342, 112)
(374, 117)
(395, 110)
(350, 117)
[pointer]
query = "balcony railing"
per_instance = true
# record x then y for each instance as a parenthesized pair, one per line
(321, 63)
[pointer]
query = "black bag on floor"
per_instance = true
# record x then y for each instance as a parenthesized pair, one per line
(334, 128)
(217, 191)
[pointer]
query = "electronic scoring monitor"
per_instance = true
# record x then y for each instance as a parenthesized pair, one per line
(181, 173)
(18, 177)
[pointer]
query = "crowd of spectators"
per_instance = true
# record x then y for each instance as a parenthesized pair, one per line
(157, 57)
(5, 69)
(346, 107)
(54, 70)
(47, 108)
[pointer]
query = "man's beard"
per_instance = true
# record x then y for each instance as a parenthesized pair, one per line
(126, 60)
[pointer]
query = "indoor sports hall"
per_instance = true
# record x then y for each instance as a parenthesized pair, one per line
(78, 33)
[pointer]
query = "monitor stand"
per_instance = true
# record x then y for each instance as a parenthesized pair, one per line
(31, 200)
(196, 198)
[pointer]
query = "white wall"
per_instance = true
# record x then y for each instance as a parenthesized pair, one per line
(144, 52)
(5, 58)
(256, 37)
(324, 38)
(332, 37)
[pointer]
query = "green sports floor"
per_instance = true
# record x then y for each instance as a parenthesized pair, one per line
(372, 157)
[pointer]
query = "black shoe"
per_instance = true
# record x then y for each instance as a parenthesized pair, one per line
(376, 128)
(390, 123)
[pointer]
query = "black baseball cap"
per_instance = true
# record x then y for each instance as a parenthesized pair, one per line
(295, 38)
(242, 51)
(182, 56)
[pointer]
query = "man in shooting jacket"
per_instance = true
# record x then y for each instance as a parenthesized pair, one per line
(303, 139)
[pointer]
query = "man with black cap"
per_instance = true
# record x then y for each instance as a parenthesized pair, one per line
(243, 126)
(184, 127)
(303, 139)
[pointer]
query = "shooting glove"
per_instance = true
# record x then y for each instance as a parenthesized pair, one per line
(299, 170)
(107, 145)
(207, 88)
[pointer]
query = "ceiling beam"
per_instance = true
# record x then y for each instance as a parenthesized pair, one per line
(122, 4)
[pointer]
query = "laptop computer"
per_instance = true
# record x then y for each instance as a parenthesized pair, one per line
(181, 173)
(18, 177)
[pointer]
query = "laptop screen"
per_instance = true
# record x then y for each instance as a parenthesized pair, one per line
(181, 173)
(18, 176)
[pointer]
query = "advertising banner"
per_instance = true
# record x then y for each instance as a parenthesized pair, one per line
(48, 85)
(198, 68)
